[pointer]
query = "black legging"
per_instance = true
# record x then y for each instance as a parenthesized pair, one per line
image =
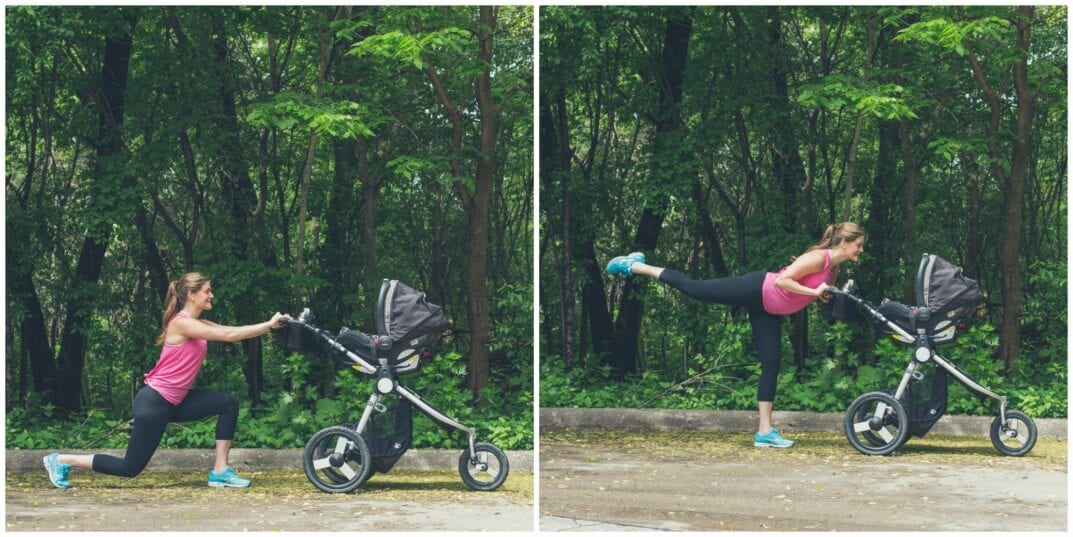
(152, 413)
(745, 292)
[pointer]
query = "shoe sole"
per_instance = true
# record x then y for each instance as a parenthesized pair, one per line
(227, 485)
(758, 444)
(48, 468)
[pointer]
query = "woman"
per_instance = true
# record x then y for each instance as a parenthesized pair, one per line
(767, 296)
(167, 395)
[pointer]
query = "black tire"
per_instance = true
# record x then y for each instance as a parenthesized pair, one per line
(1016, 437)
(876, 424)
(334, 454)
(488, 471)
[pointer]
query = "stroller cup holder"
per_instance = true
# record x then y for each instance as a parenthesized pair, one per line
(342, 457)
(878, 423)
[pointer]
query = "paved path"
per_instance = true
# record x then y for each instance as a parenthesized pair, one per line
(615, 480)
(279, 500)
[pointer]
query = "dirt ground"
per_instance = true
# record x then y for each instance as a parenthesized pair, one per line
(278, 501)
(593, 480)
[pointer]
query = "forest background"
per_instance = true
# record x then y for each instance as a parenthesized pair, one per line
(722, 140)
(297, 156)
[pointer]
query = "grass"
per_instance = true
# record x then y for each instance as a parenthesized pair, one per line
(275, 485)
(932, 449)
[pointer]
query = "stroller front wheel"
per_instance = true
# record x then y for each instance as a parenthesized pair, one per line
(1016, 437)
(876, 424)
(337, 459)
(487, 471)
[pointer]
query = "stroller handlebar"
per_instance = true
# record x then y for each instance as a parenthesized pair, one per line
(303, 322)
(849, 291)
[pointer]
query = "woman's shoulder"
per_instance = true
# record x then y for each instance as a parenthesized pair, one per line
(816, 258)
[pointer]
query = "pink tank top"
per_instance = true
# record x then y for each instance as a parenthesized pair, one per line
(177, 368)
(782, 302)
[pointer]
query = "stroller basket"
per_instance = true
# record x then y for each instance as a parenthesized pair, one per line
(925, 401)
(945, 298)
(389, 433)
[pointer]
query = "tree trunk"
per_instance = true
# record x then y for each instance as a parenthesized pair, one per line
(670, 81)
(787, 167)
(1012, 184)
(477, 243)
(238, 194)
(370, 198)
(106, 168)
(335, 257)
(555, 164)
(307, 170)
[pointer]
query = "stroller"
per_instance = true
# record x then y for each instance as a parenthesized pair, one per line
(880, 422)
(341, 458)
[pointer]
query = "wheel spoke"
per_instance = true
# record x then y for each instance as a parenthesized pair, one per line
(321, 464)
(1018, 439)
(881, 410)
(340, 445)
(861, 426)
(885, 435)
(348, 471)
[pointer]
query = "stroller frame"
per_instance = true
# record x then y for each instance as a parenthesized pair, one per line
(923, 353)
(889, 411)
(387, 383)
(331, 451)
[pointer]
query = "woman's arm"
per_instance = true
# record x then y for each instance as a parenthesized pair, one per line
(809, 263)
(208, 330)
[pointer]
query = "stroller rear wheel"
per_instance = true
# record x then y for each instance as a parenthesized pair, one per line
(876, 424)
(324, 450)
(869, 436)
(337, 459)
(1017, 436)
(487, 471)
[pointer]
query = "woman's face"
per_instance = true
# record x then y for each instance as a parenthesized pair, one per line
(854, 249)
(202, 298)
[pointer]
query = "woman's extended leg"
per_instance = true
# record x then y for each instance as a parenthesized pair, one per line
(151, 415)
(738, 291)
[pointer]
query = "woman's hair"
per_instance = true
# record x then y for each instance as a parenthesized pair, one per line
(836, 234)
(178, 290)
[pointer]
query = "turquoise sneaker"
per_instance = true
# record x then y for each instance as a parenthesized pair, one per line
(772, 439)
(57, 471)
(621, 264)
(228, 478)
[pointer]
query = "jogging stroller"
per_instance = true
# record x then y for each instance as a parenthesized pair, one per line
(880, 422)
(342, 457)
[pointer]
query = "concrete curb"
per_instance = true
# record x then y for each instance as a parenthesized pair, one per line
(746, 420)
(29, 460)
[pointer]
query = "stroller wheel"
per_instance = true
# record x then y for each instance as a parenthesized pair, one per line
(869, 436)
(324, 450)
(876, 424)
(337, 459)
(486, 472)
(1016, 437)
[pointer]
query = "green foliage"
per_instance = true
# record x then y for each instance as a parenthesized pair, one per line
(413, 48)
(219, 107)
(835, 92)
(831, 387)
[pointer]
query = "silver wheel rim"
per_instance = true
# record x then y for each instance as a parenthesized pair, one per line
(485, 469)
